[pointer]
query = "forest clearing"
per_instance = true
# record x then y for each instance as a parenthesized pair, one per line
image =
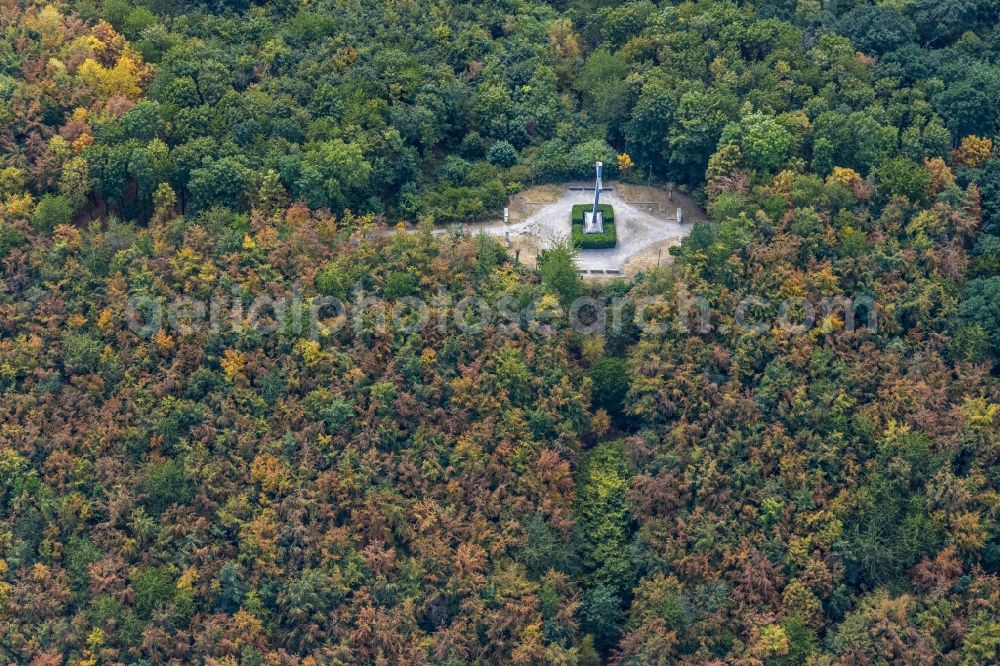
(646, 218)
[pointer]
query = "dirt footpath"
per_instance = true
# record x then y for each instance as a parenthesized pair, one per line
(645, 220)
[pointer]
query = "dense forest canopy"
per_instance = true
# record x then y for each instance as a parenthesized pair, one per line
(523, 492)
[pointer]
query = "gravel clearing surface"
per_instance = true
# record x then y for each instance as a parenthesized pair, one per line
(646, 225)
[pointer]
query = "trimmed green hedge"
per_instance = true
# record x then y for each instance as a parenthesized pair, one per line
(594, 241)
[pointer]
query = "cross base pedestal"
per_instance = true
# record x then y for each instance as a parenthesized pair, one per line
(593, 224)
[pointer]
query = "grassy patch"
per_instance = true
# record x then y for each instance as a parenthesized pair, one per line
(594, 241)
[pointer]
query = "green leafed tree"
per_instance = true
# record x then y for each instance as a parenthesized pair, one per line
(764, 142)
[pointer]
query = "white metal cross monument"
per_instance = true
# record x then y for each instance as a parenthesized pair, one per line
(593, 222)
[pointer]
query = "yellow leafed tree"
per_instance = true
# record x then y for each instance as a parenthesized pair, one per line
(122, 80)
(973, 152)
(625, 163)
